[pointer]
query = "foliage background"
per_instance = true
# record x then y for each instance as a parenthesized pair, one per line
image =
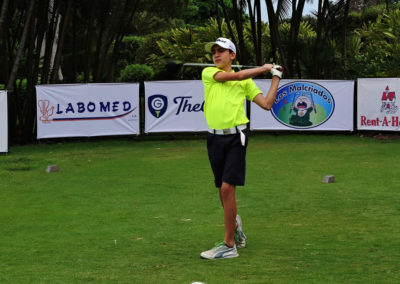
(70, 41)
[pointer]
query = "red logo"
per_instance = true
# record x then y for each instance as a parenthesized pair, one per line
(388, 101)
(45, 110)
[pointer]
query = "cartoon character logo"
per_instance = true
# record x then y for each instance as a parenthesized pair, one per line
(302, 108)
(157, 105)
(45, 110)
(388, 101)
(303, 105)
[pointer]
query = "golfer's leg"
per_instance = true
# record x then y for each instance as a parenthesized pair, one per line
(220, 197)
(227, 194)
(222, 203)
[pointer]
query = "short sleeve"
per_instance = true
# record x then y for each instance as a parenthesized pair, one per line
(252, 90)
(208, 74)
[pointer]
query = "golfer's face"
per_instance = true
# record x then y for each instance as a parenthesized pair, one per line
(221, 56)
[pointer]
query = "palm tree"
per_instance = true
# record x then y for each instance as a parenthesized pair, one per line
(21, 48)
(4, 8)
(293, 55)
(255, 23)
(57, 59)
(274, 18)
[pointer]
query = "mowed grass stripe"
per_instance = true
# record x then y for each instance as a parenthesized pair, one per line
(123, 211)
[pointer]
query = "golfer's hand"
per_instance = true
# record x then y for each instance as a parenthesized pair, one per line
(277, 70)
(267, 67)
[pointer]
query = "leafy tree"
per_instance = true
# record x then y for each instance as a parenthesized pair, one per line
(187, 45)
(380, 48)
(50, 41)
(136, 73)
(305, 39)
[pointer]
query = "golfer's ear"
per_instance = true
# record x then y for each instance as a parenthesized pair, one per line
(233, 55)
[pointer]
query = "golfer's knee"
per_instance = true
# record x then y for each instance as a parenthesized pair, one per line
(227, 190)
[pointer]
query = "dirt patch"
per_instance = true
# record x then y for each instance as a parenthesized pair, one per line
(381, 136)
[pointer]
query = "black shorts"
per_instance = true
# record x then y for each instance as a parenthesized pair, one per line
(227, 158)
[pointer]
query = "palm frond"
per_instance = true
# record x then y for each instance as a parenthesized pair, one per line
(283, 9)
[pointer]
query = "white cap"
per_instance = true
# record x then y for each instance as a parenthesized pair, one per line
(222, 42)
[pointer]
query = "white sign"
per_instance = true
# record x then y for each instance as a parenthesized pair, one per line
(377, 108)
(174, 106)
(306, 105)
(3, 122)
(87, 110)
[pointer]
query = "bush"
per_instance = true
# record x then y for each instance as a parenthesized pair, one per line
(136, 73)
(127, 52)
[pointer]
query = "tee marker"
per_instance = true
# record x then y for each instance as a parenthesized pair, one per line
(52, 168)
(328, 179)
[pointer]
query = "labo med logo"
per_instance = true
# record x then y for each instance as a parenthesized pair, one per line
(303, 105)
(75, 111)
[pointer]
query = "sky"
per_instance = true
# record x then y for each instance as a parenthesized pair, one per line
(309, 8)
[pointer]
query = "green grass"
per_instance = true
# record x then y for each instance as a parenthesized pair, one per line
(135, 211)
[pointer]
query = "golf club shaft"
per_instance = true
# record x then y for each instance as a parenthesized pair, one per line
(212, 65)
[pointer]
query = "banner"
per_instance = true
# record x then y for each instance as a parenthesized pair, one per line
(3, 122)
(306, 105)
(376, 104)
(87, 110)
(174, 106)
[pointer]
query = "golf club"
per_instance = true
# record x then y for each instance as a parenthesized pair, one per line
(172, 66)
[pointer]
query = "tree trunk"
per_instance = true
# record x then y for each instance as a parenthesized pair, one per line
(14, 71)
(88, 43)
(72, 75)
(257, 7)
(322, 6)
(275, 37)
(113, 30)
(120, 35)
(99, 45)
(4, 8)
(254, 30)
(57, 60)
(5, 44)
(242, 55)
(345, 18)
(41, 25)
(26, 119)
(218, 18)
(50, 35)
(297, 13)
(233, 38)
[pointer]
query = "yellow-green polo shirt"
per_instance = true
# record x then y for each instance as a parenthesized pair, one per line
(224, 101)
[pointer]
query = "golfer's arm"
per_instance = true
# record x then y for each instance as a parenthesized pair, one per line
(268, 101)
(243, 74)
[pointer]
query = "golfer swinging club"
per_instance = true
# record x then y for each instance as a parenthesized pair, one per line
(225, 91)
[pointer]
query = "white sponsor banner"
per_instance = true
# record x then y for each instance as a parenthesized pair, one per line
(377, 108)
(87, 110)
(307, 105)
(174, 106)
(3, 122)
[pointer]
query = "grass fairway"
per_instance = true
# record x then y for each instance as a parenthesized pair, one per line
(126, 211)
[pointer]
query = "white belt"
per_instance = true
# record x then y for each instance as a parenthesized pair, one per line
(232, 130)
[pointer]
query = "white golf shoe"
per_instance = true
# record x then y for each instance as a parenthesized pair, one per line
(220, 251)
(240, 237)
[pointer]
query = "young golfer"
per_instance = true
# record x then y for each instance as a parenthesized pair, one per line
(225, 92)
